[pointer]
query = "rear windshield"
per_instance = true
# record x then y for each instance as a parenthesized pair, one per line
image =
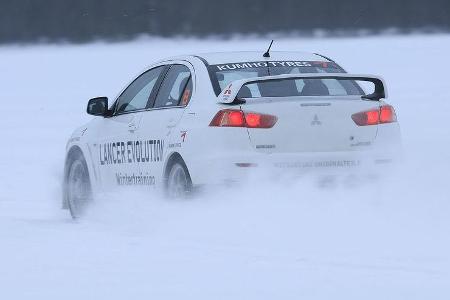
(223, 74)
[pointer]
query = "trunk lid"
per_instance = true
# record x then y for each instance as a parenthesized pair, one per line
(308, 124)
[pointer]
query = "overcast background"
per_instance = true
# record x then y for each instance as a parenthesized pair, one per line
(85, 20)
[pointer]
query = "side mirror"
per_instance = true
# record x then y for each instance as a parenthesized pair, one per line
(97, 106)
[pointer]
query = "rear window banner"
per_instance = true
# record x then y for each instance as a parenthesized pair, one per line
(273, 64)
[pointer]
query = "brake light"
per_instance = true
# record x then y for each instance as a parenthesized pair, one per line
(238, 118)
(253, 120)
(385, 114)
(228, 118)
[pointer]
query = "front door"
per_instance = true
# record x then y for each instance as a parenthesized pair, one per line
(113, 148)
(119, 149)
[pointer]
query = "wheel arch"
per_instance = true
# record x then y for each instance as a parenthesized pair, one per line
(170, 161)
(74, 152)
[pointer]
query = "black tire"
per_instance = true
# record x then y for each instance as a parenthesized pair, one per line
(179, 183)
(78, 187)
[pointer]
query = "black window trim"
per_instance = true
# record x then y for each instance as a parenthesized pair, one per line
(169, 66)
(151, 101)
(155, 91)
(114, 113)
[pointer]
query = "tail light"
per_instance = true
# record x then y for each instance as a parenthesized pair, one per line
(238, 118)
(385, 114)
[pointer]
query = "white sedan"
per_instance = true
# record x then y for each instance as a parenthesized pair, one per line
(216, 118)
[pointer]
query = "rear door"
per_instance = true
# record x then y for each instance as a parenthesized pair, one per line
(319, 120)
(158, 129)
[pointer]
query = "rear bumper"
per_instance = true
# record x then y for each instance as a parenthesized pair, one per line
(232, 168)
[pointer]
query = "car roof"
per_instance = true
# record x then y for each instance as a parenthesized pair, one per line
(214, 58)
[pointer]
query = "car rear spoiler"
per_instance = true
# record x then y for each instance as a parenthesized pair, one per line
(229, 93)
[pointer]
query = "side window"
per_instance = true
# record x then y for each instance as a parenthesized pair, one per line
(176, 88)
(137, 94)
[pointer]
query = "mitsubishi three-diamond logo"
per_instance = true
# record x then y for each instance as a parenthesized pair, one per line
(315, 121)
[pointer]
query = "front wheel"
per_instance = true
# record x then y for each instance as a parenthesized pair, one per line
(79, 192)
(179, 184)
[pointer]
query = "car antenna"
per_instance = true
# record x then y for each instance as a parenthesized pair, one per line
(267, 54)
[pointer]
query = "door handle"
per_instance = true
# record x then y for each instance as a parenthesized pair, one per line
(132, 127)
(172, 123)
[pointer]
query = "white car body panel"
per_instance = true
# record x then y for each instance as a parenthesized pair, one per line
(211, 153)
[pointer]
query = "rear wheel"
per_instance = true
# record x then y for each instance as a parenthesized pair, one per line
(179, 184)
(79, 192)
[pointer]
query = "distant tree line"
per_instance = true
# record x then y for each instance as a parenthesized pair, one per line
(85, 20)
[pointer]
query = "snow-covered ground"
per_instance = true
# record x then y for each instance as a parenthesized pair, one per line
(388, 240)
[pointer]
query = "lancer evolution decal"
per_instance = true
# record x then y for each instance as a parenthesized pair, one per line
(131, 152)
